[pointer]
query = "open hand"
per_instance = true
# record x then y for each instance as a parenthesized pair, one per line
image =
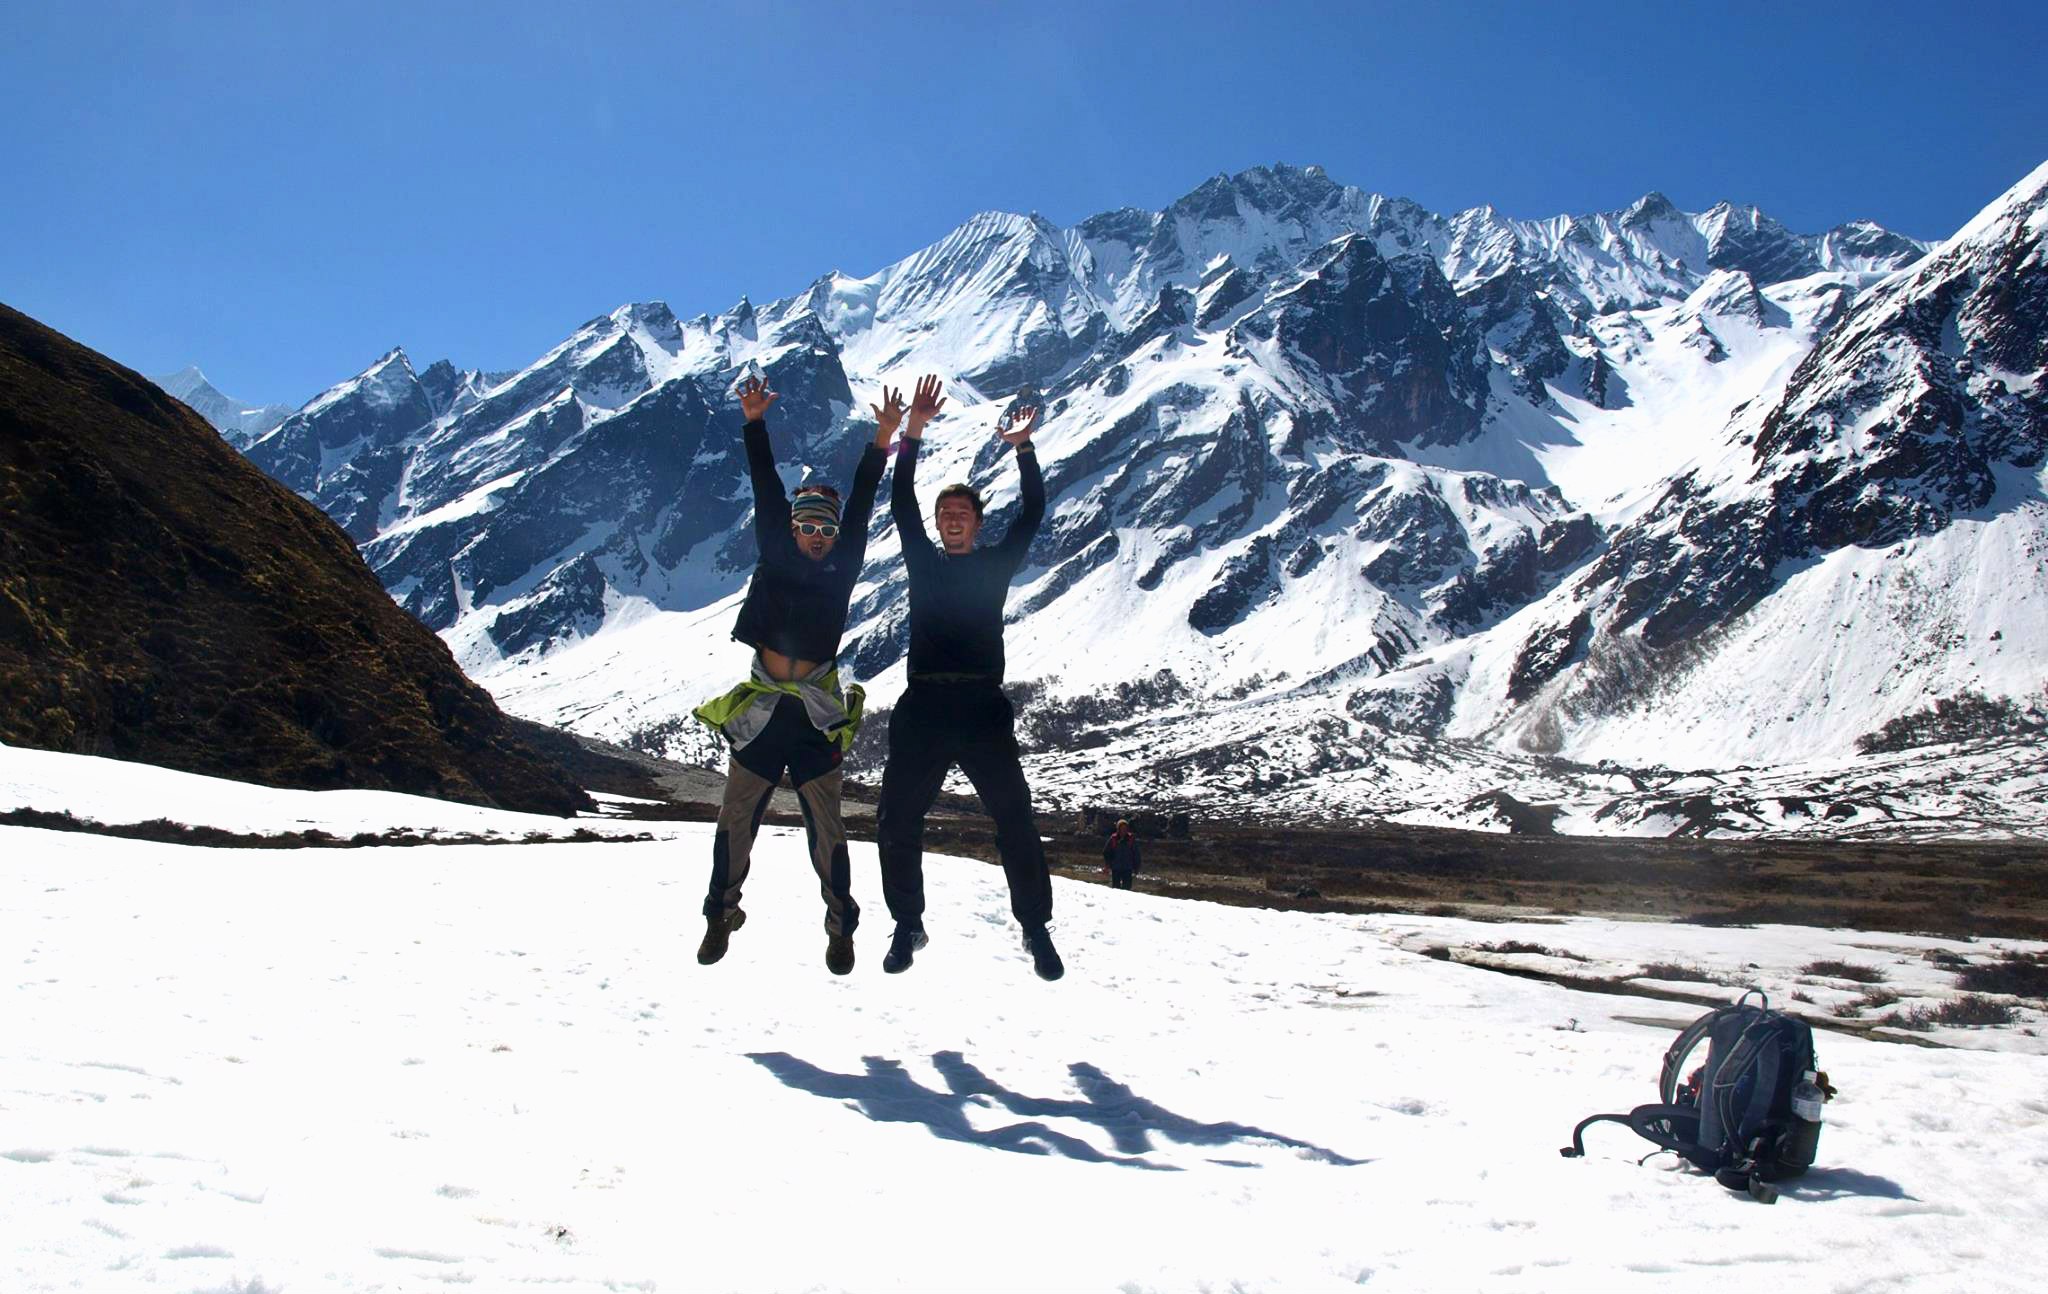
(755, 397)
(924, 405)
(888, 415)
(1018, 424)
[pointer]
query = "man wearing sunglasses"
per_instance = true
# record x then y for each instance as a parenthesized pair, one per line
(792, 714)
(954, 711)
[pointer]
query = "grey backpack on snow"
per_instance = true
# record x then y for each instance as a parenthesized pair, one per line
(1750, 1114)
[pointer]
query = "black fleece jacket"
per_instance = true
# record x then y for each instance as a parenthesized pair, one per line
(956, 603)
(797, 606)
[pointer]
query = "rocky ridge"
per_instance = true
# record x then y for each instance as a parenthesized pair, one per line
(161, 600)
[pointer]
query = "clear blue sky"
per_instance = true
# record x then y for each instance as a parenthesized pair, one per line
(278, 192)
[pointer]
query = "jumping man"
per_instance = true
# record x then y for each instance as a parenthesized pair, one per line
(954, 711)
(792, 712)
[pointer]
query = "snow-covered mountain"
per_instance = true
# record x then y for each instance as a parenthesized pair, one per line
(1848, 549)
(237, 420)
(1311, 450)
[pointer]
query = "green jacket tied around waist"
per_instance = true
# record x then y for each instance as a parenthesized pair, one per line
(742, 713)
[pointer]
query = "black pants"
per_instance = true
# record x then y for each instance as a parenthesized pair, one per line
(934, 727)
(789, 741)
(1121, 878)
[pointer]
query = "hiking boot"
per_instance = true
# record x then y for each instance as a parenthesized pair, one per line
(902, 948)
(1045, 959)
(717, 931)
(839, 954)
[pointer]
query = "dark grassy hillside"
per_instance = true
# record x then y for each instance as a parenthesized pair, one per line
(162, 600)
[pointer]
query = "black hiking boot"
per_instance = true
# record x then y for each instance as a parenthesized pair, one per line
(717, 931)
(902, 948)
(839, 954)
(1045, 959)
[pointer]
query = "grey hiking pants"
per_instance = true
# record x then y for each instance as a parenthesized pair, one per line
(751, 778)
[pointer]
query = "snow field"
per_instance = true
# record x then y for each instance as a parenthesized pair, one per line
(501, 1067)
(1718, 962)
(113, 792)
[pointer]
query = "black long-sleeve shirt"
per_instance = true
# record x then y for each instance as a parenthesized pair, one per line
(797, 606)
(956, 602)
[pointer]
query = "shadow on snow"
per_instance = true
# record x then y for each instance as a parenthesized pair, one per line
(1822, 1184)
(888, 1094)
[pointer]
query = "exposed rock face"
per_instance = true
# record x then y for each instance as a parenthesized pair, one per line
(162, 600)
(1745, 239)
(1520, 324)
(1546, 654)
(1223, 289)
(1391, 341)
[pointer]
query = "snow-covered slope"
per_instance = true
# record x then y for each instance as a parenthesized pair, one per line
(444, 1066)
(1307, 446)
(240, 422)
(1850, 548)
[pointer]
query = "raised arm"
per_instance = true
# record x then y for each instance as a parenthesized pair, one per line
(771, 504)
(1015, 429)
(924, 406)
(860, 500)
(869, 476)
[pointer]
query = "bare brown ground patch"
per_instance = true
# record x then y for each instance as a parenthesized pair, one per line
(1963, 889)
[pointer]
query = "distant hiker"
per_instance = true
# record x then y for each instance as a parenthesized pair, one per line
(791, 714)
(1120, 855)
(954, 711)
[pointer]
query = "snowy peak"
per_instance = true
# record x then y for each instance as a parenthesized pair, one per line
(388, 382)
(1280, 192)
(339, 450)
(1651, 210)
(1728, 295)
(998, 304)
(1266, 219)
(238, 421)
(654, 317)
(186, 381)
(2020, 207)
(1865, 247)
(989, 250)
(449, 388)
(1653, 252)
(1745, 239)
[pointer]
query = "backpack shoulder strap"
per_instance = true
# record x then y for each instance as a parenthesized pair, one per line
(1673, 1127)
(1681, 1046)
